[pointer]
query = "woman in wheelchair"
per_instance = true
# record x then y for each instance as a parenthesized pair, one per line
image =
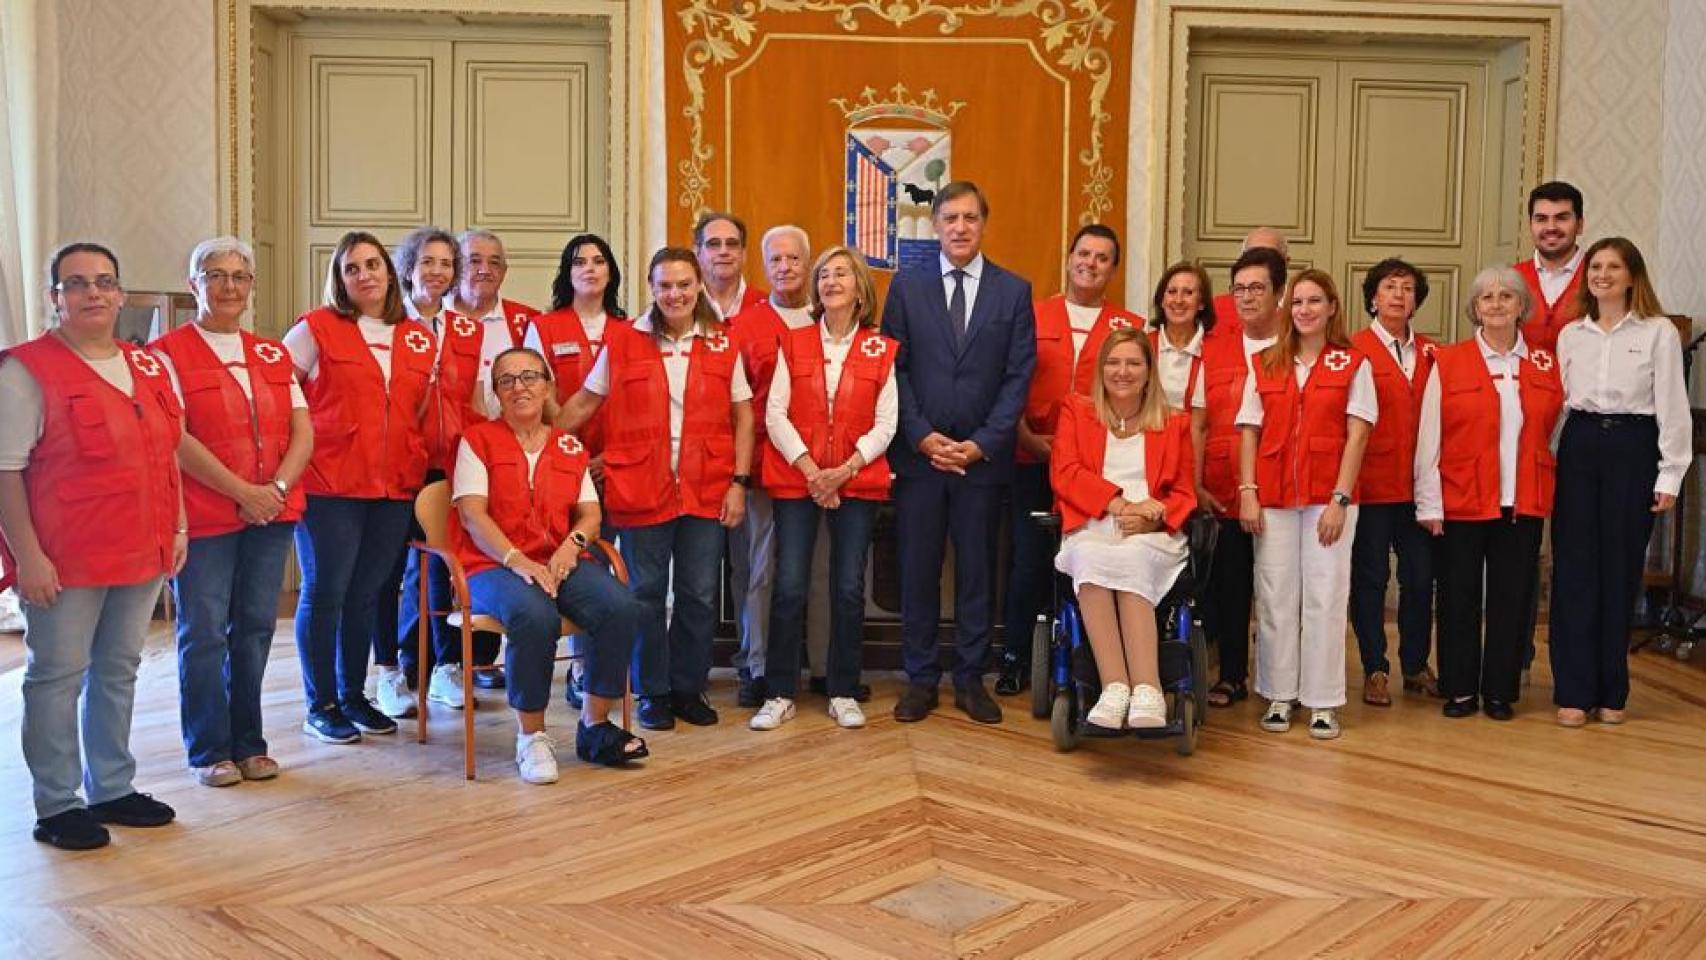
(526, 509)
(1122, 473)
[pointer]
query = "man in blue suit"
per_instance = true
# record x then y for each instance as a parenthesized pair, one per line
(967, 348)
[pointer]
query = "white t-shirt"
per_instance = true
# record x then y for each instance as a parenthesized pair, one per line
(676, 354)
(1362, 403)
(1081, 320)
(20, 399)
(470, 478)
(228, 347)
(305, 352)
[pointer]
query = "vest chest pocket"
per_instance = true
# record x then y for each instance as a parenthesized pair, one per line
(90, 428)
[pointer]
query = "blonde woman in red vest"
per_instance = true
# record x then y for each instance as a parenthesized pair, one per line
(526, 511)
(1624, 449)
(1484, 486)
(246, 442)
(367, 372)
(832, 409)
(1070, 328)
(92, 517)
(677, 463)
(1121, 469)
(1307, 412)
(1400, 359)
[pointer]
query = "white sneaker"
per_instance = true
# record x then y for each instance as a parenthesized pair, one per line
(446, 685)
(846, 712)
(1278, 717)
(775, 712)
(392, 692)
(1148, 708)
(536, 755)
(1110, 709)
(1324, 724)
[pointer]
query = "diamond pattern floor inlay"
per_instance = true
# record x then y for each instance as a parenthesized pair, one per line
(944, 903)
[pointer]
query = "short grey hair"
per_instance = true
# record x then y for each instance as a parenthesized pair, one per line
(475, 233)
(222, 246)
(785, 230)
(1499, 276)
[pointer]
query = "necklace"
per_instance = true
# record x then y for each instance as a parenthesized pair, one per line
(79, 350)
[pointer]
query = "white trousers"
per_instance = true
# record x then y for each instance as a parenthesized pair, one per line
(1302, 596)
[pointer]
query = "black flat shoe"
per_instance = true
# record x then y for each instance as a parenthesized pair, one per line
(915, 703)
(492, 679)
(977, 703)
(1499, 710)
(72, 830)
(1014, 678)
(1458, 709)
(606, 744)
(133, 810)
(653, 713)
(693, 708)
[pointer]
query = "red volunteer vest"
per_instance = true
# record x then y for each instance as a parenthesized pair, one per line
(1056, 373)
(1303, 431)
(829, 436)
(758, 331)
(1469, 433)
(368, 442)
(639, 487)
(102, 483)
(1224, 368)
(1081, 448)
(1190, 381)
(248, 438)
(1544, 321)
(1389, 466)
(536, 515)
(571, 353)
(456, 381)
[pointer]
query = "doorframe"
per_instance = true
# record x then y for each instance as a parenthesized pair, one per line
(234, 90)
(1176, 21)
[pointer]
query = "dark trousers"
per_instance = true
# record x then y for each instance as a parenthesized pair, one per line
(674, 658)
(1032, 560)
(1384, 528)
(1226, 612)
(929, 509)
(849, 546)
(346, 548)
(597, 602)
(1503, 552)
(1601, 521)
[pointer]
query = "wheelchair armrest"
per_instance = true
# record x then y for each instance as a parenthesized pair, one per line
(1046, 521)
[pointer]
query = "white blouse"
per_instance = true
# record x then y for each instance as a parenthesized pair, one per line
(1635, 368)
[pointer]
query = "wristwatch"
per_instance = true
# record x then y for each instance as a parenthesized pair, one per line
(1341, 498)
(281, 487)
(744, 479)
(579, 539)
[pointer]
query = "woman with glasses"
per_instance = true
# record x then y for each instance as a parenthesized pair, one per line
(677, 462)
(246, 443)
(366, 370)
(526, 510)
(92, 522)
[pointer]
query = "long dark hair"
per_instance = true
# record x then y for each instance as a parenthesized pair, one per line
(563, 287)
(337, 294)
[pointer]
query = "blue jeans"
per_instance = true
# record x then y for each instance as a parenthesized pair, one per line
(227, 597)
(849, 546)
(347, 548)
(674, 658)
(90, 643)
(598, 603)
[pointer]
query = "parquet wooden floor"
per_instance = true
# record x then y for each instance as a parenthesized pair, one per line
(1413, 836)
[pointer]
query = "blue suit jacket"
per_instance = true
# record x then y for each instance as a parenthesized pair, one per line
(970, 389)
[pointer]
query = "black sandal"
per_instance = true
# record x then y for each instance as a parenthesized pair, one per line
(1225, 694)
(607, 744)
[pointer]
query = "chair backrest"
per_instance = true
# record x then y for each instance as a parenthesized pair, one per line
(432, 512)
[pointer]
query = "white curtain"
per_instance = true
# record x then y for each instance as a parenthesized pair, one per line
(28, 91)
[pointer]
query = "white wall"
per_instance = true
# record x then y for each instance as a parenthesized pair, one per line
(1681, 260)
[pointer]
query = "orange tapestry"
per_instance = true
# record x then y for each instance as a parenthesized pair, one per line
(845, 116)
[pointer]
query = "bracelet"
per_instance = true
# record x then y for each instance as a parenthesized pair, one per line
(1242, 487)
(507, 554)
(182, 531)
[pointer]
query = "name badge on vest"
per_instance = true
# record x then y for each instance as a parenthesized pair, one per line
(565, 349)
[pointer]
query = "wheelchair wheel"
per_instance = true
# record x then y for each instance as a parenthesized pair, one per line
(1062, 722)
(1199, 670)
(1188, 714)
(1042, 668)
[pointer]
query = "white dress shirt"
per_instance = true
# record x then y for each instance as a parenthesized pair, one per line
(974, 274)
(1175, 370)
(1502, 367)
(1363, 403)
(740, 297)
(1553, 282)
(1635, 368)
(494, 339)
(787, 440)
(1403, 351)
(676, 355)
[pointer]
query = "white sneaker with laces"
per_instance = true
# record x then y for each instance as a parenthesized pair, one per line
(1148, 708)
(536, 755)
(1324, 724)
(775, 712)
(1110, 709)
(846, 712)
(1278, 717)
(446, 685)
(392, 692)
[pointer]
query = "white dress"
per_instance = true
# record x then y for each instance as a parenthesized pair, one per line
(1146, 563)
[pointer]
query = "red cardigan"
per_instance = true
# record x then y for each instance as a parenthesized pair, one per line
(1075, 466)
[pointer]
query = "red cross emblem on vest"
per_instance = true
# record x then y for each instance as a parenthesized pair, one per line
(1541, 359)
(1336, 360)
(1428, 350)
(268, 353)
(417, 341)
(716, 342)
(569, 444)
(145, 363)
(464, 327)
(873, 347)
(1119, 323)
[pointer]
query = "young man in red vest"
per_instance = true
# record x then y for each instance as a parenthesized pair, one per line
(1400, 360)
(1554, 274)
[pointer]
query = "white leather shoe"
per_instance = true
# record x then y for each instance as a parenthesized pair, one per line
(1148, 708)
(775, 712)
(1110, 709)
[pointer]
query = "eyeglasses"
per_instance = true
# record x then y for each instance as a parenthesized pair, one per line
(719, 243)
(106, 283)
(215, 277)
(1250, 289)
(526, 378)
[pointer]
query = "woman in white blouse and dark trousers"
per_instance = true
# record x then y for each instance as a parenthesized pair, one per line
(1625, 445)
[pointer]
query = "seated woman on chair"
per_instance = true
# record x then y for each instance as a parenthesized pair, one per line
(527, 508)
(1122, 470)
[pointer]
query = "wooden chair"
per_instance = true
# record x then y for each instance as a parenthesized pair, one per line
(432, 512)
